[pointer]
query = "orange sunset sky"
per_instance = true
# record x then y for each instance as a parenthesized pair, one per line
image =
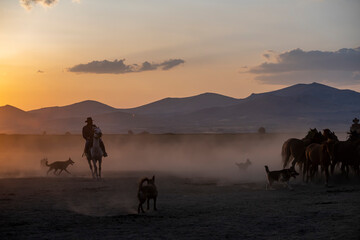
(127, 53)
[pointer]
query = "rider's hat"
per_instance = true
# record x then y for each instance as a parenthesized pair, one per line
(355, 120)
(89, 119)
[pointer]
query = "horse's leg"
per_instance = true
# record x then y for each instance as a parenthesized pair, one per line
(95, 169)
(308, 174)
(48, 171)
(326, 175)
(343, 169)
(306, 171)
(312, 173)
(60, 171)
(155, 204)
(100, 168)
(67, 171)
(346, 171)
(147, 203)
(91, 168)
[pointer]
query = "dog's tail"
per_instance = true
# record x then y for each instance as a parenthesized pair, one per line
(142, 182)
(267, 169)
(44, 162)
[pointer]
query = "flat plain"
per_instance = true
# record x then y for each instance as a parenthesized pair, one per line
(202, 194)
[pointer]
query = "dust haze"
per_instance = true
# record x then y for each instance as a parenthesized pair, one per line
(198, 157)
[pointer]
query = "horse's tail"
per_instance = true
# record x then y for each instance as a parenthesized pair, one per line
(285, 153)
(267, 169)
(44, 162)
(142, 182)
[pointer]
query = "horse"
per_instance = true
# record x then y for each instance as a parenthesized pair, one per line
(318, 155)
(294, 148)
(347, 153)
(95, 154)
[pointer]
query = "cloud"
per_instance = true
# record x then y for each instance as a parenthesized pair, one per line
(39, 71)
(28, 4)
(297, 65)
(267, 56)
(119, 67)
(146, 66)
(171, 63)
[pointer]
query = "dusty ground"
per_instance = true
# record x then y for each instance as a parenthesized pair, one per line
(188, 208)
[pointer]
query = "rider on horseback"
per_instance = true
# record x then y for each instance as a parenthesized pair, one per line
(355, 127)
(88, 134)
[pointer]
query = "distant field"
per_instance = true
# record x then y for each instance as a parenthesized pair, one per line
(211, 155)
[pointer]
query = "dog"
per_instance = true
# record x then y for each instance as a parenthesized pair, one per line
(147, 192)
(59, 165)
(280, 176)
(245, 165)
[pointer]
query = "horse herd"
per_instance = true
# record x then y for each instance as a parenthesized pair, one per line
(323, 150)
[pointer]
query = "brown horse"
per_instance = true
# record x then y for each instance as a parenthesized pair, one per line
(317, 155)
(294, 149)
(347, 153)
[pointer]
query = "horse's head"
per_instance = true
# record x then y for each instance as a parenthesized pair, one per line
(329, 148)
(97, 132)
(329, 135)
(314, 136)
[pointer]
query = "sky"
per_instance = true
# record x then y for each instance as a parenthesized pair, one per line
(126, 53)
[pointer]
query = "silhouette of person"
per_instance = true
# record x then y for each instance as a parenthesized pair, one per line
(88, 134)
(355, 127)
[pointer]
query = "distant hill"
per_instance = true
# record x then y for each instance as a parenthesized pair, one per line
(184, 105)
(295, 108)
(81, 109)
(15, 120)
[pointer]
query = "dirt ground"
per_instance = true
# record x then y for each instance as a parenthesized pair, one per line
(202, 193)
(77, 207)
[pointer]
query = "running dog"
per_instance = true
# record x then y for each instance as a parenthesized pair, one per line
(147, 192)
(280, 176)
(59, 165)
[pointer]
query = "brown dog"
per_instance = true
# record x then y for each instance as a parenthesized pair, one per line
(280, 176)
(147, 192)
(59, 165)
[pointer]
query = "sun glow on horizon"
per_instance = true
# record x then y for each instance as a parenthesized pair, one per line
(218, 42)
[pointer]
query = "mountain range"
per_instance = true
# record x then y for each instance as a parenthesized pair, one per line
(295, 108)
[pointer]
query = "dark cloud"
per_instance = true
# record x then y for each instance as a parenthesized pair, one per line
(119, 67)
(266, 55)
(28, 4)
(39, 71)
(116, 67)
(146, 66)
(339, 66)
(171, 63)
